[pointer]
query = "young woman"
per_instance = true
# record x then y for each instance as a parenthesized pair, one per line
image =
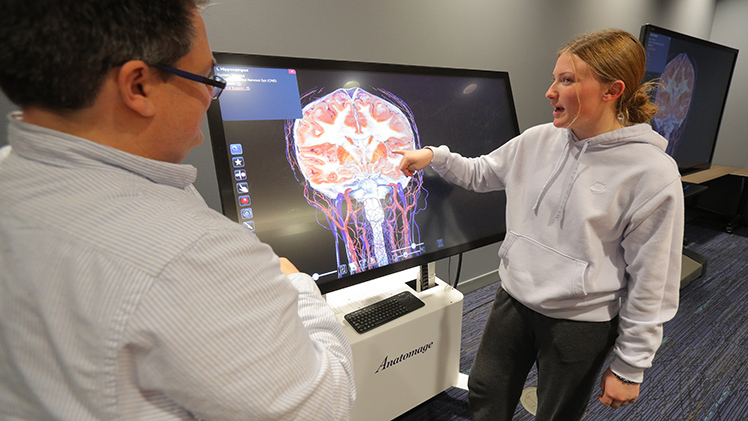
(591, 259)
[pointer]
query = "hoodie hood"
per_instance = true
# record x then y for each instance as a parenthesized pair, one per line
(574, 149)
(638, 133)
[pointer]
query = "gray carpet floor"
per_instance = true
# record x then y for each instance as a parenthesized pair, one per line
(700, 371)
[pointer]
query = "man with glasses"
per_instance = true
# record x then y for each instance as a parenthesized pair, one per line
(122, 295)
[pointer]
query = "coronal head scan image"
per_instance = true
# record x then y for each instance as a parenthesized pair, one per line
(343, 148)
(673, 98)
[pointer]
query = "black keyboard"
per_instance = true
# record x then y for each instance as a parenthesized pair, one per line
(381, 312)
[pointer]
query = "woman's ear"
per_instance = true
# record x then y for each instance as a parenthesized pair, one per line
(614, 90)
(136, 84)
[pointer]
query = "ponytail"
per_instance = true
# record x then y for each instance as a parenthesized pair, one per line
(638, 107)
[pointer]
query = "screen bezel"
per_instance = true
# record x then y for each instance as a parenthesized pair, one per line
(218, 141)
(644, 34)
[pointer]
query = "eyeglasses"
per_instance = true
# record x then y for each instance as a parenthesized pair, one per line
(218, 83)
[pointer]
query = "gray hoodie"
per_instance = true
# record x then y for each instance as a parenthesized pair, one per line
(594, 228)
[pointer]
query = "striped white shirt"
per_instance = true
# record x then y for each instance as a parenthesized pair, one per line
(124, 296)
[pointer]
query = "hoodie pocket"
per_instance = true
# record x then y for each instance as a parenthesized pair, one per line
(540, 273)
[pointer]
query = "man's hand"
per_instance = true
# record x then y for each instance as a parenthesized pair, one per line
(287, 267)
(616, 393)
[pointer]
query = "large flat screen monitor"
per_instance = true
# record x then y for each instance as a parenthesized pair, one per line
(695, 77)
(304, 158)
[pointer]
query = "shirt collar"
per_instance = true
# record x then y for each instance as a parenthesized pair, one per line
(61, 149)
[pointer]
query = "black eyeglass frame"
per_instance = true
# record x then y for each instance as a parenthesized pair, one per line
(217, 82)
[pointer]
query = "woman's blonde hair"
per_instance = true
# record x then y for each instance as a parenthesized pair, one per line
(614, 54)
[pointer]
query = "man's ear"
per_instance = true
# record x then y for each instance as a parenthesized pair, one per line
(614, 90)
(136, 86)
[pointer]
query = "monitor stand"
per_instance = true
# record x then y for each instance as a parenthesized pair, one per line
(693, 266)
(426, 277)
(409, 360)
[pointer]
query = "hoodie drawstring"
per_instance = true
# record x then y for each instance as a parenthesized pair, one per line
(550, 177)
(569, 183)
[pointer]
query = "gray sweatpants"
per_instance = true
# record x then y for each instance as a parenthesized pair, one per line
(569, 356)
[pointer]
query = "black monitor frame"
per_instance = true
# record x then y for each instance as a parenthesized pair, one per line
(218, 134)
(716, 65)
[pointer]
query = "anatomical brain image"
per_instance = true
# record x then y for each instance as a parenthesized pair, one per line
(342, 146)
(674, 100)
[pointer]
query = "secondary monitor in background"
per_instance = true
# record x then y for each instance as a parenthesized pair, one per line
(695, 77)
(303, 155)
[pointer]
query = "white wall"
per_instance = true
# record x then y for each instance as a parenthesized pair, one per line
(518, 36)
(731, 28)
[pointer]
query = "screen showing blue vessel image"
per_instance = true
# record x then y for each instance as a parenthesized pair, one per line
(304, 157)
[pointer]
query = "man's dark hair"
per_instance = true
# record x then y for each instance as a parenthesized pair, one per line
(55, 54)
